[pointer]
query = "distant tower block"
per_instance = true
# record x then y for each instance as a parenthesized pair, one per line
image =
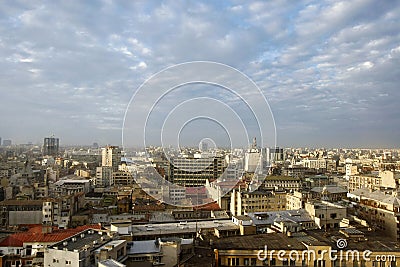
(51, 146)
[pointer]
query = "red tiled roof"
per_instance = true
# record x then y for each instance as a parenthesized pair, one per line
(35, 234)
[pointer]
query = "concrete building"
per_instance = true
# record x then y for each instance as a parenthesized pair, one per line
(331, 193)
(384, 180)
(115, 249)
(77, 250)
(121, 178)
(51, 146)
(17, 212)
(244, 202)
(192, 172)
(381, 210)
(368, 181)
(111, 157)
(281, 182)
(104, 176)
(182, 229)
(296, 200)
(71, 185)
(309, 249)
(315, 163)
(252, 159)
(325, 214)
(163, 251)
(276, 221)
(27, 248)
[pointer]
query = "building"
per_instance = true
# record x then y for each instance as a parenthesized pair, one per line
(380, 210)
(244, 202)
(71, 185)
(77, 250)
(272, 221)
(275, 154)
(193, 172)
(252, 159)
(181, 229)
(104, 176)
(115, 249)
(121, 178)
(309, 249)
(331, 193)
(27, 248)
(111, 157)
(296, 200)
(51, 146)
(318, 164)
(369, 181)
(17, 212)
(166, 252)
(325, 214)
(281, 182)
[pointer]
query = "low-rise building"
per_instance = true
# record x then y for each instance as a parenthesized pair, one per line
(325, 214)
(381, 210)
(243, 202)
(77, 250)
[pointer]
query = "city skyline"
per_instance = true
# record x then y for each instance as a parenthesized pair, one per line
(328, 69)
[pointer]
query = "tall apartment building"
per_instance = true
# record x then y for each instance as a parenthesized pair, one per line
(111, 157)
(51, 146)
(192, 172)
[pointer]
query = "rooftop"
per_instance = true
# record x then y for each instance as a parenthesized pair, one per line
(268, 218)
(281, 178)
(79, 241)
(274, 241)
(111, 263)
(181, 227)
(333, 189)
(35, 234)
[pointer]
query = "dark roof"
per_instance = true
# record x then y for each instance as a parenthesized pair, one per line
(274, 241)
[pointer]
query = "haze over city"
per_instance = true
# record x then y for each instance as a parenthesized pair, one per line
(328, 69)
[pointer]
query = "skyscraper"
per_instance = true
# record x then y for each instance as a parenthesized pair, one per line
(111, 157)
(51, 146)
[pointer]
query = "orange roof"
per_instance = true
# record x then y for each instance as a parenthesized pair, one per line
(208, 206)
(35, 234)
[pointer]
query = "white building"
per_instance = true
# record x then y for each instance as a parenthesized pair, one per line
(111, 157)
(252, 159)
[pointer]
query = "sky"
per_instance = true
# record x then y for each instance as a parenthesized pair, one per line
(330, 70)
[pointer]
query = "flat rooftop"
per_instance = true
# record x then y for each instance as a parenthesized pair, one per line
(181, 227)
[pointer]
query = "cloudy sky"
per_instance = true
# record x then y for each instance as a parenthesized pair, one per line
(330, 70)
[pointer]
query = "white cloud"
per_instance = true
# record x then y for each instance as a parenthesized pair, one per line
(314, 57)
